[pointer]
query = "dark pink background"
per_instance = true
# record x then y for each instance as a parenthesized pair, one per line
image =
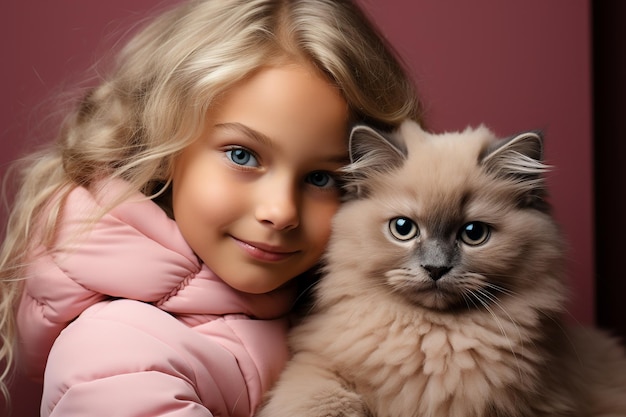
(511, 65)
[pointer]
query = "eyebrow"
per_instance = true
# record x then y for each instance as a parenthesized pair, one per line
(263, 139)
(251, 133)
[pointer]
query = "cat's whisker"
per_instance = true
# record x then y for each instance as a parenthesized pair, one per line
(514, 294)
(501, 289)
(467, 297)
(487, 299)
(494, 301)
(305, 295)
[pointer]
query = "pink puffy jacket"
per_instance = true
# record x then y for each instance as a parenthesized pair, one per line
(127, 322)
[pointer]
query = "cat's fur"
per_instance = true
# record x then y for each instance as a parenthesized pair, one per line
(424, 324)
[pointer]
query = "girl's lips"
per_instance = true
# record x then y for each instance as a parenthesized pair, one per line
(264, 252)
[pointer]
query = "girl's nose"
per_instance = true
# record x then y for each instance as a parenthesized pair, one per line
(277, 206)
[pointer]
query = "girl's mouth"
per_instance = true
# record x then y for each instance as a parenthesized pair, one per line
(264, 252)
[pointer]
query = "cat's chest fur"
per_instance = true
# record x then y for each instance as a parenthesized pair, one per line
(402, 358)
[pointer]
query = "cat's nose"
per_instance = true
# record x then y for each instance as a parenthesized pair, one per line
(436, 272)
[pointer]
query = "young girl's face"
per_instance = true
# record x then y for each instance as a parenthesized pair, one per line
(254, 195)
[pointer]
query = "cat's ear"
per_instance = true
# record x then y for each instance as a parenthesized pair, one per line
(371, 153)
(520, 160)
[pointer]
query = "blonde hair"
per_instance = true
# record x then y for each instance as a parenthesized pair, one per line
(163, 83)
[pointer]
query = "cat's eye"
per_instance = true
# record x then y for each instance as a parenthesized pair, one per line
(475, 233)
(403, 228)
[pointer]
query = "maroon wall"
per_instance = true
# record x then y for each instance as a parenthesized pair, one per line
(511, 65)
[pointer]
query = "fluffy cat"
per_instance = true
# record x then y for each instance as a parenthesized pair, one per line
(442, 292)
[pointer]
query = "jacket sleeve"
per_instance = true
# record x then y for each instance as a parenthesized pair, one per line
(127, 358)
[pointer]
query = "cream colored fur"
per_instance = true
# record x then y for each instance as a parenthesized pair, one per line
(485, 339)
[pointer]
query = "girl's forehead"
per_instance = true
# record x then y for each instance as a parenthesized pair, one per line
(286, 103)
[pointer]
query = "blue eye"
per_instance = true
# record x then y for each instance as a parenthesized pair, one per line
(475, 233)
(403, 228)
(321, 179)
(241, 156)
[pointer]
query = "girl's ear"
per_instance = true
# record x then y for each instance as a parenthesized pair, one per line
(371, 153)
(519, 159)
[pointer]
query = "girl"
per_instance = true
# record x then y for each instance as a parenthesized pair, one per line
(151, 251)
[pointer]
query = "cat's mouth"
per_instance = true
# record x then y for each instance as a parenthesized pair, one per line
(428, 293)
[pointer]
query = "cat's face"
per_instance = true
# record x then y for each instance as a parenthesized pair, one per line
(448, 222)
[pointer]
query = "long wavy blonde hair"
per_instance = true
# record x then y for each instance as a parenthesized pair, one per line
(156, 97)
